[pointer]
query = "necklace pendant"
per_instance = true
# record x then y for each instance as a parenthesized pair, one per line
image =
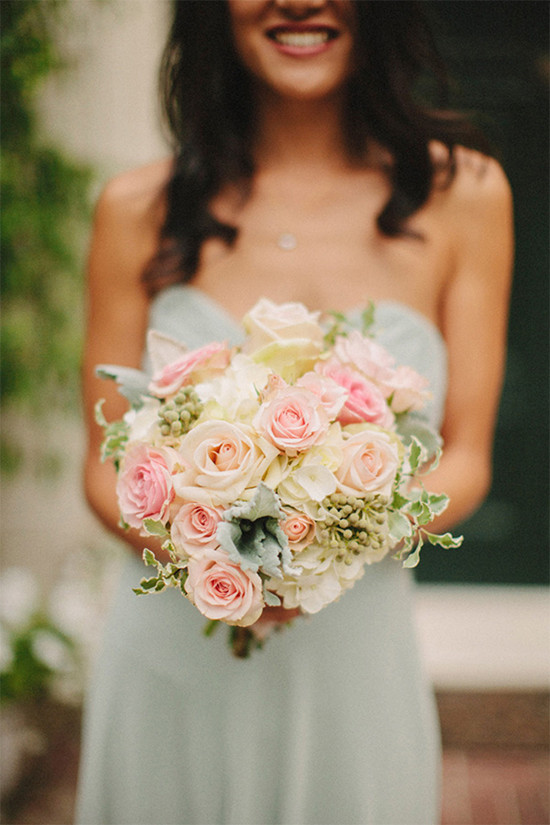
(287, 241)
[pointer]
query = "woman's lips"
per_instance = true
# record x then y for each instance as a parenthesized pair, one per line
(302, 41)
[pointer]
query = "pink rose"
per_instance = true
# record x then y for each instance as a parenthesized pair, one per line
(194, 528)
(408, 390)
(369, 464)
(222, 590)
(365, 402)
(331, 394)
(370, 358)
(293, 420)
(211, 358)
(299, 529)
(144, 485)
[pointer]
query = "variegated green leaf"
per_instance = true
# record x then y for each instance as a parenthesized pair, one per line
(399, 525)
(446, 540)
(415, 454)
(414, 557)
(155, 528)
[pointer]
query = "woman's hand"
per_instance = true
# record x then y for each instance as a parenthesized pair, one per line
(278, 615)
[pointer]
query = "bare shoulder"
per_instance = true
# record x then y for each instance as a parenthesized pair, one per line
(475, 213)
(137, 194)
(128, 219)
(478, 187)
(480, 180)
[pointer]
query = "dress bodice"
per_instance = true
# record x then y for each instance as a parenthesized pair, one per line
(193, 317)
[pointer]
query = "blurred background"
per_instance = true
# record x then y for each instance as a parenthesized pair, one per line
(79, 105)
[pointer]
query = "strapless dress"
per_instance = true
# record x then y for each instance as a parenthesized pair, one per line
(331, 723)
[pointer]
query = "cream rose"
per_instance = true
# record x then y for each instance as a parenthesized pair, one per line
(268, 322)
(369, 464)
(144, 485)
(223, 459)
(293, 420)
(193, 529)
(222, 590)
(285, 337)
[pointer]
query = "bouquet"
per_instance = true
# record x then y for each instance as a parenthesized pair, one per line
(274, 472)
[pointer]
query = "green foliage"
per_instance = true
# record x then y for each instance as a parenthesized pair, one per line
(28, 675)
(116, 435)
(44, 205)
(338, 323)
(172, 574)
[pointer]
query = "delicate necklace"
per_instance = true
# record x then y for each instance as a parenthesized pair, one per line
(287, 241)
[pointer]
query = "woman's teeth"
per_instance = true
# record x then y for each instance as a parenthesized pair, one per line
(301, 39)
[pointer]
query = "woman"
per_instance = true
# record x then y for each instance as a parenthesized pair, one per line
(304, 171)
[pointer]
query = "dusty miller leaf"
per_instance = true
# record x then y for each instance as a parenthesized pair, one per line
(271, 599)
(132, 384)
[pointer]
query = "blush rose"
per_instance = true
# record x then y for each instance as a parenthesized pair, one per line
(365, 402)
(408, 390)
(293, 420)
(144, 485)
(299, 528)
(365, 355)
(222, 590)
(193, 528)
(332, 395)
(213, 357)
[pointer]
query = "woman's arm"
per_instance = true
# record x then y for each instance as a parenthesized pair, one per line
(474, 316)
(124, 237)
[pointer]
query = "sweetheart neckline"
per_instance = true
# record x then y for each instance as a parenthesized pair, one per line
(216, 306)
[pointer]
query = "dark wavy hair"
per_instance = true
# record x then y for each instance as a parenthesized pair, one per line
(209, 108)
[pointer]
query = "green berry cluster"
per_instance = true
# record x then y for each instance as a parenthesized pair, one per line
(351, 524)
(177, 416)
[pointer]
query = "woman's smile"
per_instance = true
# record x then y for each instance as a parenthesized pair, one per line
(302, 40)
(302, 50)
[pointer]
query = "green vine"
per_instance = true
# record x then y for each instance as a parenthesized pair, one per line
(44, 208)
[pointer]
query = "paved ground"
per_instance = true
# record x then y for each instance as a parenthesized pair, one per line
(488, 787)
(496, 764)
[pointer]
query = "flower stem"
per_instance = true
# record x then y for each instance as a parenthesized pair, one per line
(240, 639)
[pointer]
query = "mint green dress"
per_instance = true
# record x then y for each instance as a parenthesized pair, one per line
(332, 723)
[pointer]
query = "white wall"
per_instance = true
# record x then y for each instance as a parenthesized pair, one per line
(103, 107)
